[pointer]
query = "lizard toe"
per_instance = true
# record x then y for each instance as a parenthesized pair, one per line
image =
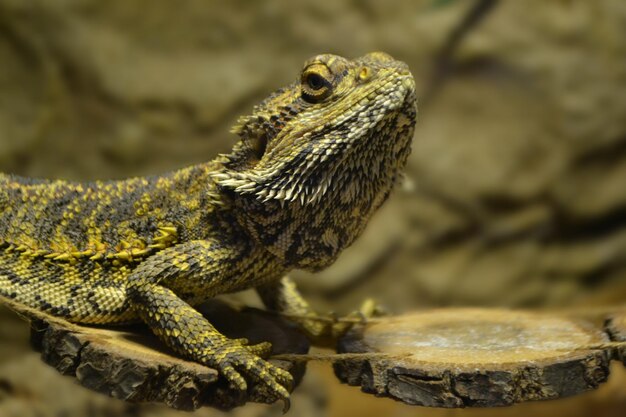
(262, 349)
(234, 378)
(276, 381)
(240, 366)
(282, 376)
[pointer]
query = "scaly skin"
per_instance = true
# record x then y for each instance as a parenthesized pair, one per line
(313, 163)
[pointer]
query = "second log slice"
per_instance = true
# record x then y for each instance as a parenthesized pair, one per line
(474, 357)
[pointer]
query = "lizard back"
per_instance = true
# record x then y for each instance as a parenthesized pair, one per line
(79, 241)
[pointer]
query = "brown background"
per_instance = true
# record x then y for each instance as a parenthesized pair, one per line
(516, 188)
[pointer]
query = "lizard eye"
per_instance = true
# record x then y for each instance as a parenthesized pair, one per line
(315, 81)
(316, 84)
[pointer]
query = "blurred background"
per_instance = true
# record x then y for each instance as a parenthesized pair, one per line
(516, 187)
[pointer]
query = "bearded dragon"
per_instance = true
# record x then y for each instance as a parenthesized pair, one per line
(313, 162)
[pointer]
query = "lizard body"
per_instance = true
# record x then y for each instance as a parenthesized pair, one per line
(313, 163)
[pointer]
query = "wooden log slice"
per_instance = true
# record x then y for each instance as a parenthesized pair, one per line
(616, 327)
(130, 364)
(474, 358)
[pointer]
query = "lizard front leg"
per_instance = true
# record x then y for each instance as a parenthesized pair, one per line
(199, 265)
(284, 297)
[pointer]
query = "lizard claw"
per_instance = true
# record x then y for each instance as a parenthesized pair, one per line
(286, 405)
(240, 364)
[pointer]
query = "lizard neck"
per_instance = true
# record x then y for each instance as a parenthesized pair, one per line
(311, 235)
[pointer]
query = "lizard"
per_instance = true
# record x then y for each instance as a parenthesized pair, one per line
(311, 164)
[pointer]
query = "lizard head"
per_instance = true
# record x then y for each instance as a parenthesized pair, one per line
(320, 155)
